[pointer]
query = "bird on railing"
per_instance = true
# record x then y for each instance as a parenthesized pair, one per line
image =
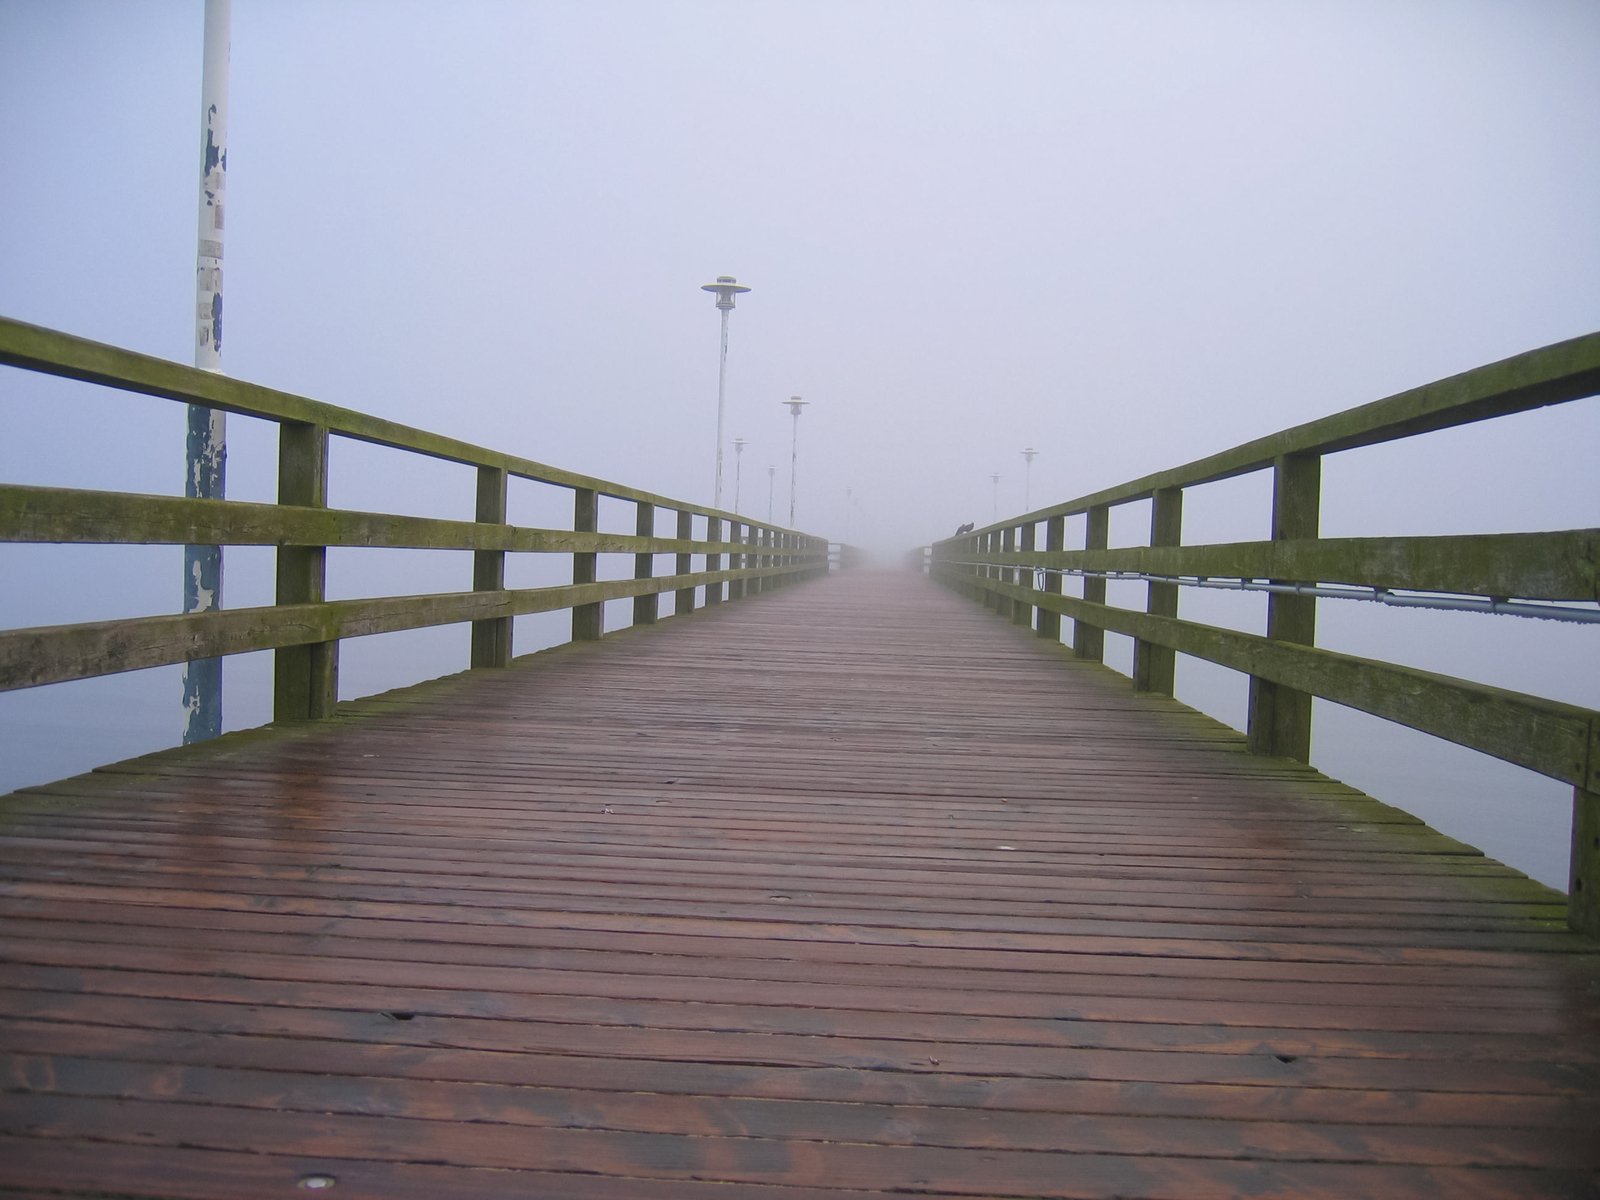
(960, 529)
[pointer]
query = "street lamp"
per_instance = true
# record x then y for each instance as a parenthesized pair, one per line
(726, 288)
(1027, 479)
(994, 507)
(795, 405)
(738, 469)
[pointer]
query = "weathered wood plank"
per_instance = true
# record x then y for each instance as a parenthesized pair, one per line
(1559, 565)
(54, 353)
(1552, 374)
(56, 654)
(923, 903)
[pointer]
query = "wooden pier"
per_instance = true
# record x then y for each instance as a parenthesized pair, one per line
(848, 890)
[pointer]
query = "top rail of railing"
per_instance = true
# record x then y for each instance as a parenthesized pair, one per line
(1554, 374)
(52, 352)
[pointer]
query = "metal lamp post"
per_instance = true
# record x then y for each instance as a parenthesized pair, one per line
(206, 446)
(726, 288)
(795, 405)
(994, 506)
(1027, 479)
(738, 469)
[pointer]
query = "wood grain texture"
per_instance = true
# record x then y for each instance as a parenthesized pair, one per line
(851, 890)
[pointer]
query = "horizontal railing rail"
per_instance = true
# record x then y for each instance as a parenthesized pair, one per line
(304, 628)
(1561, 565)
(1009, 567)
(1555, 374)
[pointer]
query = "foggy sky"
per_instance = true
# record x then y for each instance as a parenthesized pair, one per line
(1127, 234)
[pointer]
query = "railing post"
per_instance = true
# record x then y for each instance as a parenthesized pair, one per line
(1280, 717)
(491, 637)
(735, 559)
(1055, 540)
(1155, 667)
(713, 561)
(588, 620)
(645, 607)
(683, 598)
(305, 679)
(1089, 641)
(1583, 880)
(1008, 573)
(1022, 612)
(991, 572)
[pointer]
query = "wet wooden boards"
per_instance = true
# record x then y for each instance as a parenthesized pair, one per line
(850, 890)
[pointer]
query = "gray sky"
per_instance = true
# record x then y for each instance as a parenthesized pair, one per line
(1128, 234)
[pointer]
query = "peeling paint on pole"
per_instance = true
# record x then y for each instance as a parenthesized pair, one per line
(206, 447)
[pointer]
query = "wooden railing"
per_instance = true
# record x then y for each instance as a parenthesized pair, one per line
(1005, 566)
(842, 556)
(303, 627)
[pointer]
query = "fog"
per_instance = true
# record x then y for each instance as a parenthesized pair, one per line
(1125, 234)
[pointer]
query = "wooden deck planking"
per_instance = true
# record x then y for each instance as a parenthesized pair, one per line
(852, 889)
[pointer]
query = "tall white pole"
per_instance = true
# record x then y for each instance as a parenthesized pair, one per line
(722, 385)
(994, 505)
(795, 405)
(1028, 456)
(206, 445)
(725, 289)
(738, 470)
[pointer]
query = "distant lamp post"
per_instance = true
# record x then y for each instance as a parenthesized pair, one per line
(738, 468)
(772, 475)
(994, 506)
(795, 405)
(1027, 479)
(726, 288)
